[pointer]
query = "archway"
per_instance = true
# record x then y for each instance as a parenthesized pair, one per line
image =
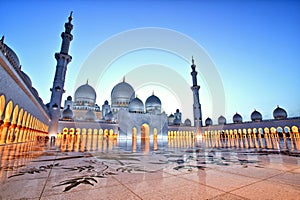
(134, 132)
(155, 133)
(145, 131)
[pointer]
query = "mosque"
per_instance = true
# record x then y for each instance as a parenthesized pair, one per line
(126, 113)
(24, 116)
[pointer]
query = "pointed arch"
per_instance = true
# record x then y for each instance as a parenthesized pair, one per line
(8, 111)
(2, 105)
(145, 131)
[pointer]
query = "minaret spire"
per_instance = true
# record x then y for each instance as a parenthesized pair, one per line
(63, 59)
(70, 17)
(196, 106)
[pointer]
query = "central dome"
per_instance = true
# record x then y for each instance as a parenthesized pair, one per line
(122, 90)
(85, 93)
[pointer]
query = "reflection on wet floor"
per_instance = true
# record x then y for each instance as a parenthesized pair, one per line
(80, 143)
(18, 155)
(15, 156)
(72, 164)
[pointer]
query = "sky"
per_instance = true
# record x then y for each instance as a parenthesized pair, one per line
(246, 52)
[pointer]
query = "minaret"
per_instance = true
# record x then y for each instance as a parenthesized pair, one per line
(196, 106)
(63, 59)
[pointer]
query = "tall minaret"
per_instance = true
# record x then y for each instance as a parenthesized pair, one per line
(63, 59)
(196, 106)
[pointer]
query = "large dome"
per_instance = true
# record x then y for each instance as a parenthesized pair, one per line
(279, 113)
(256, 116)
(136, 105)
(237, 118)
(122, 90)
(85, 93)
(153, 105)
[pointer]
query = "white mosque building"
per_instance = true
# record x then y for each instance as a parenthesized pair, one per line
(131, 116)
(24, 116)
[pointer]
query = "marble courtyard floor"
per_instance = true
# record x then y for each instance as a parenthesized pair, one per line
(111, 169)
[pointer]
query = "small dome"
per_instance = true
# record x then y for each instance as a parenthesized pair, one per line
(136, 105)
(85, 93)
(177, 121)
(221, 120)
(109, 116)
(177, 110)
(153, 101)
(69, 98)
(41, 100)
(256, 116)
(237, 118)
(279, 113)
(171, 116)
(187, 122)
(67, 114)
(90, 115)
(208, 122)
(122, 91)
(12, 56)
(105, 102)
(153, 105)
(26, 78)
(35, 92)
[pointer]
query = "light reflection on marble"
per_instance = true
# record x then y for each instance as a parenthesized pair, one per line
(216, 168)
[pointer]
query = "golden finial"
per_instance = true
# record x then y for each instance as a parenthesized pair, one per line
(2, 39)
(193, 60)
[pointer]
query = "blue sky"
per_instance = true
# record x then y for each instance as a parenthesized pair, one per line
(254, 46)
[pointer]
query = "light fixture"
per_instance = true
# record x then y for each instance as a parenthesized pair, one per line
(55, 106)
(57, 88)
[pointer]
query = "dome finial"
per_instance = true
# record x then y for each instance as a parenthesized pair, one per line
(193, 60)
(70, 17)
(123, 78)
(2, 39)
(152, 92)
(87, 81)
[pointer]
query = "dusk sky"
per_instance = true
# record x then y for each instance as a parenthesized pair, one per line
(253, 45)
